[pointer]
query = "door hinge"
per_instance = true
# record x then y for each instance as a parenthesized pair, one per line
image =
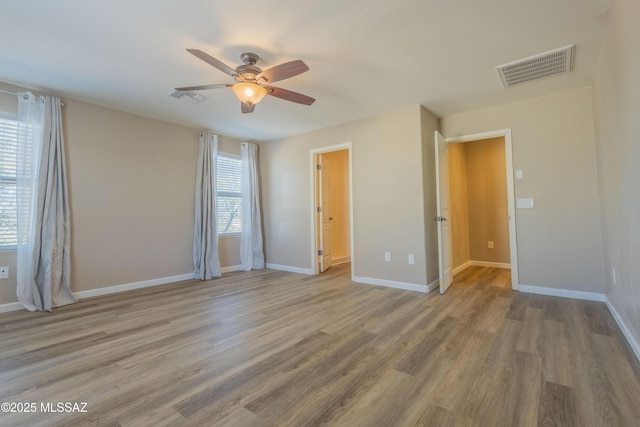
(318, 167)
(319, 209)
(319, 252)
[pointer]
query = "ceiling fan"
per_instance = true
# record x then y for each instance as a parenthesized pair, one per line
(252, 82)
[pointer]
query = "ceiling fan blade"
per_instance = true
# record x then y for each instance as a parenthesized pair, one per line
(213, 61)
(289, 95)
(246, 108)
(203, 87)
(283, 71)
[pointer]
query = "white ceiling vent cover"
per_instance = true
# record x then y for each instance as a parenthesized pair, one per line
(188, 96)
(558, 61)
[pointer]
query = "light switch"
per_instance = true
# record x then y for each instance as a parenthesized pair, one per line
(524, 203)
(518, 173)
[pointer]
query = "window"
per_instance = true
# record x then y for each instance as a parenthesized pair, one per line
(8, 209)
(229, 194)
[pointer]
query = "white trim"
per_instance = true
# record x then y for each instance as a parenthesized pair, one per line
(340, 260)
(490, 264)
(564, 293)
(131, 286)
(470, 263)
(231, 269)
(393, 284)
(11, 306)
(312, 192)
(433, 285)
(508, 149)
(290, 269)
(626, 330)
(462, 267)
(14, 306)
(479, 136)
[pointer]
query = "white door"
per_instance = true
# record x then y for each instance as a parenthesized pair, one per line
(324, 214)
(445, 262)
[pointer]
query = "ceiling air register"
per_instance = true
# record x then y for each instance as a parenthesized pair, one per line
(554, 62)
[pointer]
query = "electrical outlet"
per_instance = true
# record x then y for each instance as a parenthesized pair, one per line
(613, 276)
(387, 256)
(4, 272)
(490, 244)
(411, 259)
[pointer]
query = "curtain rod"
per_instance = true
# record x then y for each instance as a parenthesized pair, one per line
(240, 142)
(8, 92)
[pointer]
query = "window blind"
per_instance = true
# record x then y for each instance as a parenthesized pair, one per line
(229, 194)
(8, 211)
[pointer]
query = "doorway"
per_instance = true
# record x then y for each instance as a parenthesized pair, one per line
(480, 196)
(332, 207)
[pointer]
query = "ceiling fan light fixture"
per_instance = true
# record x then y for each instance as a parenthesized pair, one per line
(249, 93)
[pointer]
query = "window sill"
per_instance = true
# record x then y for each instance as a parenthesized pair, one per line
(229, 235)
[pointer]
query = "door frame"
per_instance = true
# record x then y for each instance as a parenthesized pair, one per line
(313, 192)
(511, 205)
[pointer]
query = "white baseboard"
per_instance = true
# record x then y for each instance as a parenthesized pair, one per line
(470, 263)
(146, 283)
(290, 269)
(131, 286)
(231, 269)
(391, 284)
(462, 267)
(11, 306)
(565, 293)
(491, 264)
(340, 260)
(433, 285)
(626, 330)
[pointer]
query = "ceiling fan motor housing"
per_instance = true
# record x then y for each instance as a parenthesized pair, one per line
(249, 70)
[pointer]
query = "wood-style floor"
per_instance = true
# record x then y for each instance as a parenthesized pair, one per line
(273, 348)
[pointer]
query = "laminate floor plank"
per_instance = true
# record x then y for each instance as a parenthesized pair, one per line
(557, 406)
(530, 338)
(272, 348)
(556, 358)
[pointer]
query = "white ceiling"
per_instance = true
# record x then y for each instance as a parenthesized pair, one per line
(365, 56)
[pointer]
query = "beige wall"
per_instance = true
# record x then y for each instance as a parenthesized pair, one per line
(131, 184)
(339, 203)
(616, 101)
(559, 241)
(388, 206)
(458, 203)
(487, 200)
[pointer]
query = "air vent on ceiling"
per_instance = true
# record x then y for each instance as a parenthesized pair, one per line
(558, 61)
(188, 96)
